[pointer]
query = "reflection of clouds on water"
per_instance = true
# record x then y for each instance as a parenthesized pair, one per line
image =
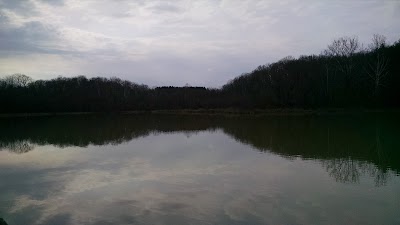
(137, 186)
(241, 207)
(128, 185)
(107, 194)
(206, 178)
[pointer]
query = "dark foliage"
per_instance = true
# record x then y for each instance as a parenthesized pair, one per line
(366, 78)
(344, 75)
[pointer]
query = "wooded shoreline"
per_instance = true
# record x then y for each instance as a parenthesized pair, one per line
(214, 112)
(346, 76)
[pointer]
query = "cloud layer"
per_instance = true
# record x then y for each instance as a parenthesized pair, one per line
(176, 42)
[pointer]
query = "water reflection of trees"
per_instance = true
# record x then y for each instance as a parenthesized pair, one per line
(344, 170)
(65, 131)
(17, 146)
(348, 146)
(347, 170)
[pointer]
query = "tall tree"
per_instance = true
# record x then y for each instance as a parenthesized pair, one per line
(378, 63)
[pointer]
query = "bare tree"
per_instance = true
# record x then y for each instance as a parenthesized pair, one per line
(18, 80)
(377, 65)
(378, 42)
(344, 46)
(342, 49)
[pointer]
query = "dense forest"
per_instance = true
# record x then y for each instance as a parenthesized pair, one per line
(347, 74)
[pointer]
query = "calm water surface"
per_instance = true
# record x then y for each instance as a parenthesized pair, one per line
(143, 169)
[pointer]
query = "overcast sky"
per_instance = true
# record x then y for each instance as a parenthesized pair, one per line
(159, 42)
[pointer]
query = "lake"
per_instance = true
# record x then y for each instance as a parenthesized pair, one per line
(170, 169)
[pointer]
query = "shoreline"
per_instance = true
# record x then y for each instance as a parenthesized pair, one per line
(215, 112)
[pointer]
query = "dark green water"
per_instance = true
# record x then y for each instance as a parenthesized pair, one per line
(143, 169)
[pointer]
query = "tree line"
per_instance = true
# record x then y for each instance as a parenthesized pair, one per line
(346, 74)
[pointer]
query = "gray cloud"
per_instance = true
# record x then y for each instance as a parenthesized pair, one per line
(54, 2)
(177, 42)
(22, 7)
(32, 37)
(165, 7)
